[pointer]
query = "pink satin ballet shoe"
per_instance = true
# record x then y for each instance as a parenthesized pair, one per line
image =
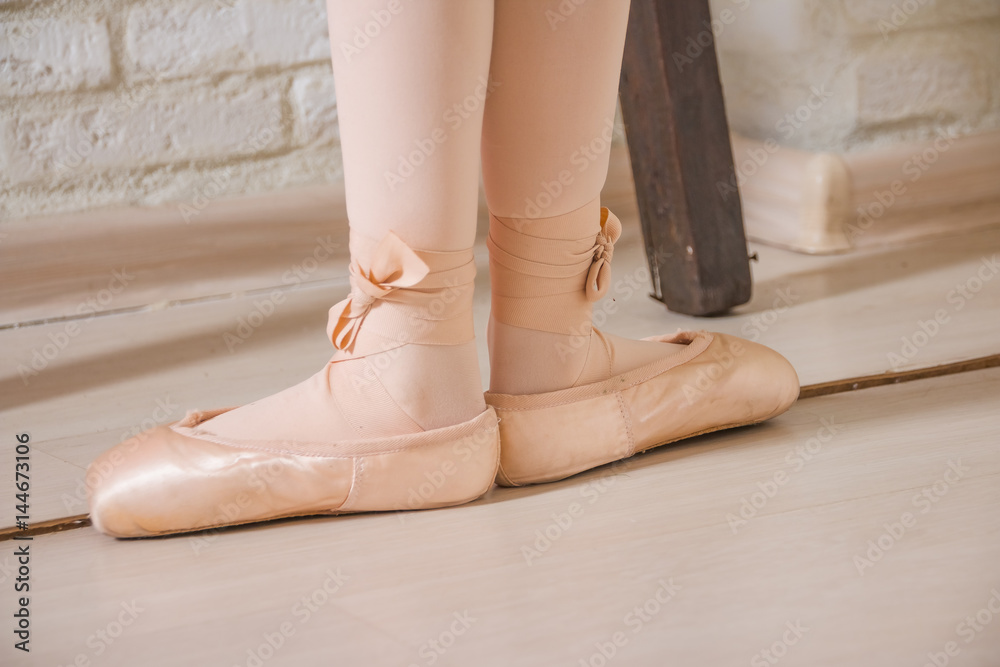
(176, 478)
(718, 382)
(193, 474)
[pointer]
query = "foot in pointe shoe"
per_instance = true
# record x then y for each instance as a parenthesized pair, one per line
(395, 421)
(570, 397)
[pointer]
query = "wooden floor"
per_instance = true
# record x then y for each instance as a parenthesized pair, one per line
(717, 556)
(859, 528)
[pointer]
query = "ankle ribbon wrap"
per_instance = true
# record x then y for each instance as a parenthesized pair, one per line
(599, 274)
(545, 284)
(402, 296)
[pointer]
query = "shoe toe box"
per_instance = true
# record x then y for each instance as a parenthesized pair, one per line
(164, 482)
(767, 379)
(126, 485)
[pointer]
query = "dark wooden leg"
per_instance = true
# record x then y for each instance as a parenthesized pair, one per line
(678, 139)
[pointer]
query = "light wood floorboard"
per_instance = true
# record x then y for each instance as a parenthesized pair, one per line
(659, 517)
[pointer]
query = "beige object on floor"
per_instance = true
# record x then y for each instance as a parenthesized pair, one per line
(834, 202)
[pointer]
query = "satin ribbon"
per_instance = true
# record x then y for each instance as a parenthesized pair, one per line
(393, 265)
(599, 275)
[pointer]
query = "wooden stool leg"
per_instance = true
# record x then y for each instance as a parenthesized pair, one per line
(678, 139)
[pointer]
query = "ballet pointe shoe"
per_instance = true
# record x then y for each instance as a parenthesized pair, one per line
(718, 382)
(174, 479)
(193, 475)
(714, 382)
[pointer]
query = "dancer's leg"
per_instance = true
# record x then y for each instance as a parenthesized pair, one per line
(411, 159)
(396, 419)
(546, 147)
(410, 104)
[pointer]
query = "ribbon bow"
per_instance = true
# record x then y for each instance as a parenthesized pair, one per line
(600, 270)
(393, 265)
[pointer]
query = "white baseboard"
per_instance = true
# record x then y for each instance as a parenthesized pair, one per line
(65, 266)
(834, 202)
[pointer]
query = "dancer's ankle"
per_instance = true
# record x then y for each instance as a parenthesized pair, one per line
(525, 361)
(546, 275)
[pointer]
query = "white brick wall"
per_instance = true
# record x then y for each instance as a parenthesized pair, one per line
(203, 124)
(192, 37)
(155, 101)
(316, 108)
(145, 102)
(894, 69)
(48, 55)
(921, 76)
